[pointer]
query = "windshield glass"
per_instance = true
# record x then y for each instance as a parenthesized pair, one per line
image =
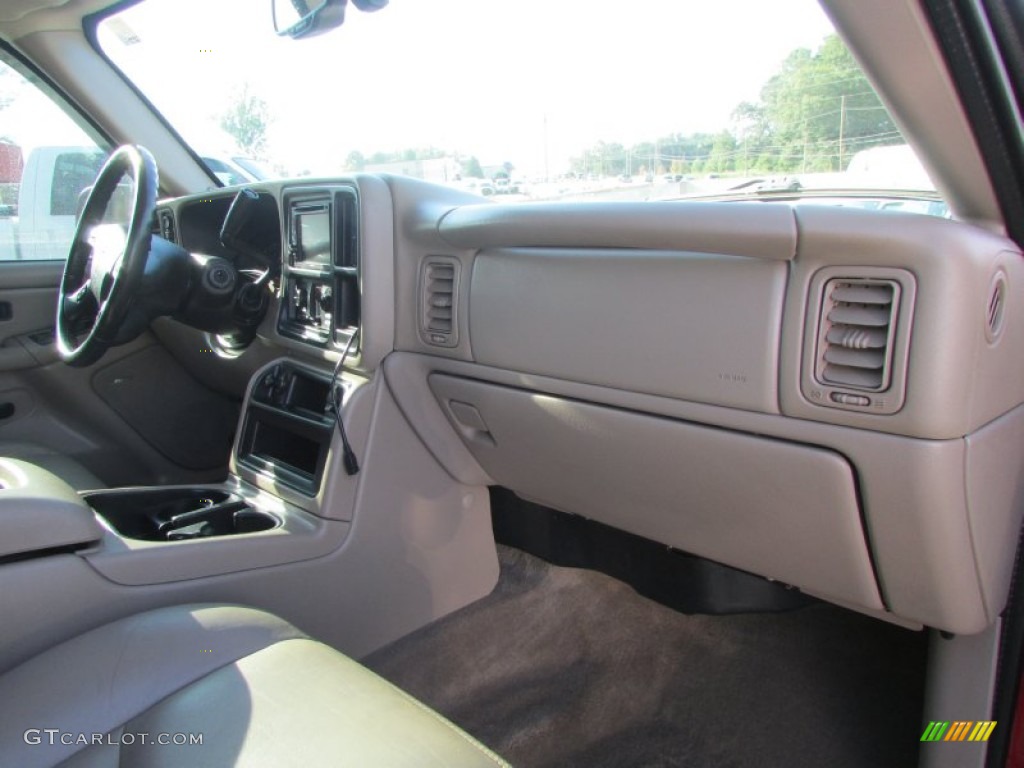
(577, 99)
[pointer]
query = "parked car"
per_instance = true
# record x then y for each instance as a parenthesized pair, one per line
(780, 184)
(51, 183)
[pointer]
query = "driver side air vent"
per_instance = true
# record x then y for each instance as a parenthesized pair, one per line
(439, 292)
(856, 333)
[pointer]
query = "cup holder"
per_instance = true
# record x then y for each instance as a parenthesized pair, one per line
(176, 514)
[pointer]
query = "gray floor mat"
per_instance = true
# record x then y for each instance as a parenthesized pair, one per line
(565, 667)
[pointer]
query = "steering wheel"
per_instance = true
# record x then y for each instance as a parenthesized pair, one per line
(107, 257)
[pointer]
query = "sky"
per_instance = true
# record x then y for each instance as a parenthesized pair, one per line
(531, 82)
(30, 119)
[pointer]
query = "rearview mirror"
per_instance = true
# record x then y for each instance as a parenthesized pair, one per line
(306, 18)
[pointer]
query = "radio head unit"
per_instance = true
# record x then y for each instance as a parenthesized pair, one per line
(320, 288)
(309, 234)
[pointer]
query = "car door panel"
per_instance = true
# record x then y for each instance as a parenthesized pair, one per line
(28, 305)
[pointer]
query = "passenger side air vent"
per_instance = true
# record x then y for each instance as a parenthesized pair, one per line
(856, 333)
(439, 291)
(166, 222)
(856, 345)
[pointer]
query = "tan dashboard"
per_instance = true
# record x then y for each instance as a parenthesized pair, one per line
(829, 397)
(825, 396)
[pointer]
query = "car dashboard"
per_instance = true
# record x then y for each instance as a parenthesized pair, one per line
(826, 397)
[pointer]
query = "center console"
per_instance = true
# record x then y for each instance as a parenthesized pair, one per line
(177, 514)
(276, 506)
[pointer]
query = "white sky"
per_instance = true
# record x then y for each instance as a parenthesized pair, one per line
(480, 77)
(31, 119)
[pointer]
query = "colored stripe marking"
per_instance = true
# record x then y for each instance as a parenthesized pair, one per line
(935, 731)
(991, 726)
(959, 730)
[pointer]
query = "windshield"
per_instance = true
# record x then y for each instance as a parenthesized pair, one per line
(577, 99)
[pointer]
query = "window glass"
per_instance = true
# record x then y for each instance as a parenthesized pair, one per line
(47, 159)
(72, 172)
(223, 171)
(533, 99)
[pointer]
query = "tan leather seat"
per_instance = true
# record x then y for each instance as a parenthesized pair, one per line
(250, 686)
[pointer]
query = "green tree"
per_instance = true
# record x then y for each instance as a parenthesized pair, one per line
(471, 168)
(405, 155)
(814, 114)
(754, 139)
(820, 109)
(603, 159)
(246, 119)
(355, 161)
(723, 154)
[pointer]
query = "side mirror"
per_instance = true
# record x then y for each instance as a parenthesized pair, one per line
(306, 18)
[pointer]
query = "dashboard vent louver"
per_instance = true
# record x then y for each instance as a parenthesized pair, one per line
(167, 228)
(439, 301)
(995, 308)
(856, 333)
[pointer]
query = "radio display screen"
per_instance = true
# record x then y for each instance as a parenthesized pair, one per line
(313, 235)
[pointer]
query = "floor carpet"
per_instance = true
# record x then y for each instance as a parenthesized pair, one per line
(569, 667)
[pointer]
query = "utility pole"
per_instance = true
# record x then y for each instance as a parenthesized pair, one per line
(803, 114)
(743, 141)
(803, 167)
(842, 127)
(547, 170)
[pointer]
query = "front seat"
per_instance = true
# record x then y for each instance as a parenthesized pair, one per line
(64, 467)
(250, 686)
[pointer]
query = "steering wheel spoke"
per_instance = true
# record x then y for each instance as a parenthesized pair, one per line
(80, 302)
(80, 308)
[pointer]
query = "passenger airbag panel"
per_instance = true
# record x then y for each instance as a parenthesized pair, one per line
(781, 510)
(686, 325)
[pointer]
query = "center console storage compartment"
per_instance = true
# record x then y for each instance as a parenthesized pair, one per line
(174, 514)
(288, 425)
